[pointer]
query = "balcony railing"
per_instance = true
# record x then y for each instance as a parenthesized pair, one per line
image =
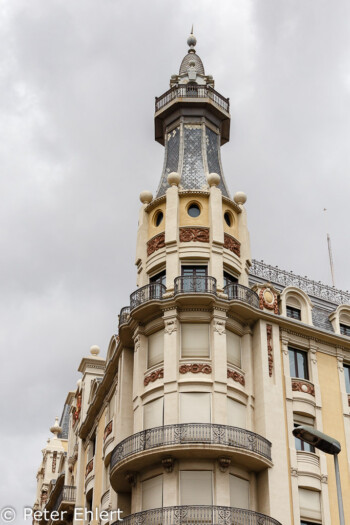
(242, 293)
(192, 91)
(124, 315)
(146, 293)
(190, 284)
(198, 515)
(191, 433)
(67, 495)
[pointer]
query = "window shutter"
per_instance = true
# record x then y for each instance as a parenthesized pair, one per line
(310, 505)
(195, 340)
(233, 342)
(196, 487)
(152, 493)
(155, 349)
(236, 413)
(195, 408)
(239, 492)
(153, 414)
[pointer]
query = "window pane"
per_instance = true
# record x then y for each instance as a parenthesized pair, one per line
(155, 349)
(236, 413)
(153, 414)
(195, 340)
(298, 364)
(152, 493)
(195, 408)
(159, 278)
(344, 329)
(302, 365)
(293, 371)
(294, 313)
(233, 342)
(347, 378)
(196, 487)
(239, 492)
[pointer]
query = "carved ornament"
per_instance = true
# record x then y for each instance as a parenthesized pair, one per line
(268, 299)
(269, 348)
(349, 400)
(170, 326)
(224, 463)
(153, 376)
(156, 243)
(108, 430)
(298, 385)
(236, 376)
(195, 368)
(54, 461)
(168, 464)
(77, 409)
(219, 327)
(230, 243)
(89, 467)
(194, 234)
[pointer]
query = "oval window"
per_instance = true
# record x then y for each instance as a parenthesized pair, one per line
(193, 210)
(158, 218)
(228, 218)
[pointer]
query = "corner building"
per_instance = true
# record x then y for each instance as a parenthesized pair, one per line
(189, 418)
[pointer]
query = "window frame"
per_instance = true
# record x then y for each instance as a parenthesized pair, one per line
(346, 368)
(295, 312)
(304, 354)
(344, 329)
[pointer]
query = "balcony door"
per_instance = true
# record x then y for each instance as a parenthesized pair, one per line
(194, 278)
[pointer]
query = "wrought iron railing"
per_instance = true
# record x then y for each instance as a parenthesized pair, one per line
(242, 293)
(67, 494)
(273, 274)
(191, 284)
(124, 315)
(193, 91)
(190, 433)
(146, 293)
(198, 515)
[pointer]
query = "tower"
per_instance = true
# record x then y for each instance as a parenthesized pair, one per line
(189, 418)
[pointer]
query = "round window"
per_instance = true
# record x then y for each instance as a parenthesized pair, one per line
(228, 218)
(193, 210)
(158, 218)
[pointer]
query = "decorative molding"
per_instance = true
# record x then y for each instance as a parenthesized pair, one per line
(298, 385)
(219, 326)
(54, 461)
(195, 368)
(137, 343)
(77, 410)
(230, 243)
(324, 478)
(269, 348)
(170, 326)
(168, 464)
(108, 430)
(89, 467)
(236, 376)
(156, 243)
(153, 376)
(131, 478)
(189, 234)
(340, 363)
(294, 472)
(312, 288)
(268, 299)
(224, 463)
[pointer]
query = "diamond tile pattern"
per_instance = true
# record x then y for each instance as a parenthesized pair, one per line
(172, 159)
(213, 151)
(193, 176)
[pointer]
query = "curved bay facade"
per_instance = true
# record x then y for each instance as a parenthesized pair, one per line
(216, 358)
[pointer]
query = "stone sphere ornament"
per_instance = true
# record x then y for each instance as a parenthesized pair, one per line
(95, 350)
(174, 178)
(213, 179)
(146, 197)
(240, 197)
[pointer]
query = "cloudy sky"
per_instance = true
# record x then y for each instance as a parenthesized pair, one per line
(78, 81)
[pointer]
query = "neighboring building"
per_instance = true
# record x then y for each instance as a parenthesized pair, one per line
(189, 419)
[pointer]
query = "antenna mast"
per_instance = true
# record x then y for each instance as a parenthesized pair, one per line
(330, 255)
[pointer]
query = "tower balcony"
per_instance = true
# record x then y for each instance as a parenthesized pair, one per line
(238, 292)
(124, 315)
(190, 284)
(195, 440)
(199, 514)
(192, 91)
(150, 292)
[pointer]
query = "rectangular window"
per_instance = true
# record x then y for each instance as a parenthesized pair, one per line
(236, 413)
(229, 279)
(194, 279)
(298, 363)
(196, 487)
(310, 504)
(195, 407)
(152, 493)
(294, 313)
(194, 340)
(239, 492)
(155, 354)
(302, 445)
(233, 344)
(159, 278)
(347, 378)
(153, 414)
(344, 329)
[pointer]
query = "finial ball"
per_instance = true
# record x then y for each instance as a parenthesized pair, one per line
(174, 178)
(191, 41)
(95, 350)
(240, 197)
(213, 179)
(146, 197)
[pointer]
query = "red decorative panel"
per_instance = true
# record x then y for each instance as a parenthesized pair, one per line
(230, 243)
(108, 430)
(156, 243)
(157, 374)
(269, 347)
(195, 368)
(194, 234)
(236, 376)
(298, 385)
